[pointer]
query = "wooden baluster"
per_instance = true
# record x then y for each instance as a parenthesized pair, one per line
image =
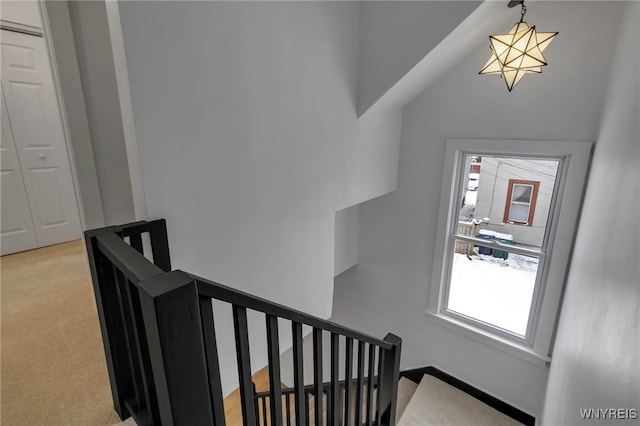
(300, 398)
(287, 403)
(334, 400)
(370, 389)
(317, 374)
(347, 381)
(133, 353)
(273, 349)
(257, 400)
(244, 365)
(142, 348)
(213, 364)
(160, 244)
(306, 407)
(136, 242)
(360, 383)
(378, 416)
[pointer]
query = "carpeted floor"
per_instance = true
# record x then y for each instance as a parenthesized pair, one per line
(53, 370)
(53, 367)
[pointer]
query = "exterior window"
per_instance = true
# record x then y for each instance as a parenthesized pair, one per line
(521, 202)
(493, 273)
(495, 283)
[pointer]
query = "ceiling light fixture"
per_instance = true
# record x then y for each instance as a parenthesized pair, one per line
(518, 52)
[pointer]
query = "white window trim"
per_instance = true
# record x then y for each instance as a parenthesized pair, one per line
(572, 182)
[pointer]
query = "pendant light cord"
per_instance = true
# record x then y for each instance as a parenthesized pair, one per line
(523, 12)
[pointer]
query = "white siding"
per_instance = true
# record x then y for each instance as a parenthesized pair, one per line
(492, 195)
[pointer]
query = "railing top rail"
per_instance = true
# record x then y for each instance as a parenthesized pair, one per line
(132, 264)
(129, 228)
(137, 268)
(221, 292)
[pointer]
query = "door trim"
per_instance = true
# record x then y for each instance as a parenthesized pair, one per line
(46, 32)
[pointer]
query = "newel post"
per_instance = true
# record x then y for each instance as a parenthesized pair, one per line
(388, 387)
(112, 325)
(171, 313)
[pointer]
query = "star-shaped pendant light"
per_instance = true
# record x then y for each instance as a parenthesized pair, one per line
(518, 52)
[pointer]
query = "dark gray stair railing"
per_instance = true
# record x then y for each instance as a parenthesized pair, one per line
(159, 337)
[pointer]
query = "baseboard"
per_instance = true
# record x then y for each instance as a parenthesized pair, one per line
(516, 414)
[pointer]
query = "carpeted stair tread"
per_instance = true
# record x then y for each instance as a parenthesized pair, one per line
(406, 389)
(435, 402)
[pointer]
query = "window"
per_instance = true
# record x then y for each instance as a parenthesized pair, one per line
(503, 246)
(521, 201)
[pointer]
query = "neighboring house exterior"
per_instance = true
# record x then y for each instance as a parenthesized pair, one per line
(515, 194)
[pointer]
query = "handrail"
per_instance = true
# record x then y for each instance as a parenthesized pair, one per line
(132, 264)
(162, 355)
(223, 293)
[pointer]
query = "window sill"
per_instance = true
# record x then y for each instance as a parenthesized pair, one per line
(513, 348)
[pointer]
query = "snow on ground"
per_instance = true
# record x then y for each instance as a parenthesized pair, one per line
(493, 290)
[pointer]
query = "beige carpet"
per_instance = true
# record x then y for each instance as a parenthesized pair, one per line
(53, 370)
(53, 366)
(434, 402)
(406, 389)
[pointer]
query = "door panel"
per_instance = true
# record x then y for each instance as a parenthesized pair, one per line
(16, 230)
(29, 117)
(33, 111)
(18, 57)
(46, 184)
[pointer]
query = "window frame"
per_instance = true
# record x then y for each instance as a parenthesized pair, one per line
(574, 159)
(532, 201)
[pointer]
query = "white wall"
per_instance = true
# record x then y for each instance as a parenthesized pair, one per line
(249, 142)
(369, 168)
(91, 33)
(396, 35)
(596, 360)
(369, 159)
(241, 110)
(347, 232)
(388, 290)
(126, 110)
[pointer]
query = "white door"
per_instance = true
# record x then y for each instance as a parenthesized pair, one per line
(16, 228)
(34, 118)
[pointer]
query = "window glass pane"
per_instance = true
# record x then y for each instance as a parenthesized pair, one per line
(519, 212)
(496, 286)
(484, 197)
(522, 193)
(492, 286)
